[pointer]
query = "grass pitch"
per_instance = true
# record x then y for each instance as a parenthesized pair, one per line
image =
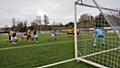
(39, 54)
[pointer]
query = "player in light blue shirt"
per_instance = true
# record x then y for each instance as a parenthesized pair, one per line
(53, 34)
(99, 33)
(35, 35)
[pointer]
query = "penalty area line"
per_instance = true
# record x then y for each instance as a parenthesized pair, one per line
(49, 65)
(33, 45)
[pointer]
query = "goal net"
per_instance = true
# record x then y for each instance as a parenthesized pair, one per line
(100, 51)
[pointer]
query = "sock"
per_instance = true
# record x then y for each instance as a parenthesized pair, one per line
(22, 38)
(50, 39)
(95, 41)
(55, 38)
(36, 38)
(32, 39)
(16, 41)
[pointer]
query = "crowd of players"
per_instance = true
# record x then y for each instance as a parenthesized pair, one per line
(27, 35)
(31, 35)
(98, 32)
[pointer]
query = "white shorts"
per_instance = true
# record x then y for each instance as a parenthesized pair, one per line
(25, 36)
(13, 38)
(34, 36)
(52, 35)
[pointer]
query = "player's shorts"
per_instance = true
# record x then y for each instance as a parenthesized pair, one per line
(13, 38)
(35, 36)
(56, 34)
(99, 36)
(52, 35)
(28, 37)
(77, 33)
(69, 33)
(25, 36)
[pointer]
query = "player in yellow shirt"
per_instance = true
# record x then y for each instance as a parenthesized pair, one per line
(28, 36)
(10, 34)
(70, 32)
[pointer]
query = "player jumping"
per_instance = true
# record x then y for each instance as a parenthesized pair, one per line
(99, 34)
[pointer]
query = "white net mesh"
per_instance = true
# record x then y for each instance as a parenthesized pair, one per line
(107, 54)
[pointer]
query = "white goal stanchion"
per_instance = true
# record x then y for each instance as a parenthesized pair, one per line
(106, 51)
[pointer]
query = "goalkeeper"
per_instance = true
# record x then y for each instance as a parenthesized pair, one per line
(99, 33)
(53, 34)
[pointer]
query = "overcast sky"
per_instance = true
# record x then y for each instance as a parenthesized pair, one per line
(57, 10)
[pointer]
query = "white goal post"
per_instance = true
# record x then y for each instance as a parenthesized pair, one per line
(106, 53)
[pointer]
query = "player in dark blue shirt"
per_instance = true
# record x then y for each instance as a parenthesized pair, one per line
(24, 35)
(35, 35)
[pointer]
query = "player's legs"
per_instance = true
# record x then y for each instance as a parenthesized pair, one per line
(35, 36)
(102, 40)
(69, 35)
(24, 37)
(8, 39)
(95, 40)
(52, 35)
(98, 36)
(16, 39)
(28, 38)
(11, 40)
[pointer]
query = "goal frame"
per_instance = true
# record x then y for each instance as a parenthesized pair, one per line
(75, 28)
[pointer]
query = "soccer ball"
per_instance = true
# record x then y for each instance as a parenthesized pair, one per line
(28, 40)
(12, 42)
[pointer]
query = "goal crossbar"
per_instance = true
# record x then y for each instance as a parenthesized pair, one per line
(82, 4)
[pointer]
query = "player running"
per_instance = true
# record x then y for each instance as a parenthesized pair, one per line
(53, 34)
(10, 34)
(35, 35)
(99, 34)
(24, 35)
(14, 38)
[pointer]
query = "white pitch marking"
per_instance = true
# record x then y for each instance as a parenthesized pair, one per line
(33, 45)
(56, 63)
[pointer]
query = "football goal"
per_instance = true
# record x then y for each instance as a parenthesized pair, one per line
(99, 40)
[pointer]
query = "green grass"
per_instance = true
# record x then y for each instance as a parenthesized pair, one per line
(40, 55)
